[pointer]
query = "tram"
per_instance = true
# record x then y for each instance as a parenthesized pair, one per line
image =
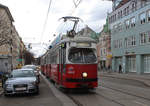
(71, 61)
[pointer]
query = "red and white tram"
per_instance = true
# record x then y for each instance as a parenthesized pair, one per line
(72, 62)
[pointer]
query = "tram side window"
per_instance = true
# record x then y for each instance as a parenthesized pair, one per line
(54, 59)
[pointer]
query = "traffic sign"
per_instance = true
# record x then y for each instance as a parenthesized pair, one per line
(19, 59)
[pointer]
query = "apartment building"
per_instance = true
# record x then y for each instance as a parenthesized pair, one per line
(129, 23)
(10, 41)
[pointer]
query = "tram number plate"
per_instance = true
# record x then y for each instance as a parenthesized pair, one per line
(21, 89)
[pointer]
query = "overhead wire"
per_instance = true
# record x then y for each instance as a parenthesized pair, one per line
(45, 23)
(76, 4)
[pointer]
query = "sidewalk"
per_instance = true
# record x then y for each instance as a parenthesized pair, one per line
(130, 76)
(1, 90)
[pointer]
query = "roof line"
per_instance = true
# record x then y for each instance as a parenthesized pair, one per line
(8, 12)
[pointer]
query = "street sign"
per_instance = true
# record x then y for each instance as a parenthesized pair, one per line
(19, 59)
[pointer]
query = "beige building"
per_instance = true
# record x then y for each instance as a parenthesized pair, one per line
(18, 48)
(11, 45)
(104, 49)
(6, 21)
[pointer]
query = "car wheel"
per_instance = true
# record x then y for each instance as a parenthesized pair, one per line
(37, 90)
(6, 95)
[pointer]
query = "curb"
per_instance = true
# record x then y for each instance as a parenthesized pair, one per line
(65, 100)
(146, 84)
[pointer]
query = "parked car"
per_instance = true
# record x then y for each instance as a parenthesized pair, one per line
(35, 68)
(21, 81)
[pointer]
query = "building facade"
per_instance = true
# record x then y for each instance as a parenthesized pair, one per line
(104, 49)
(85, 32)
(6, 21)
(129, 23)
(17, 48)
(10, 41)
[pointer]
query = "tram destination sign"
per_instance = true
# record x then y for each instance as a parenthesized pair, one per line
(84, 44)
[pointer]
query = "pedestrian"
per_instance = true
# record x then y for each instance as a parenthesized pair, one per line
(109, 68)
(120, 68)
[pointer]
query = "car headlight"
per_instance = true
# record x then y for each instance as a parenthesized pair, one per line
(84, 74)
(33, 83)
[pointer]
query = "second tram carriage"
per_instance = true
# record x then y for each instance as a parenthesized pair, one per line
(72, 62)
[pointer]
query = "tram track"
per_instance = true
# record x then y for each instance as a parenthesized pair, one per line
(127, 93)
(145, 85)
(78, 103)
(75, 101)
(111, 100)
(142, 80)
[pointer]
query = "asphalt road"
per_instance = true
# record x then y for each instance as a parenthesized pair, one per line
(115, 92)
(45, 98)
(111, 92)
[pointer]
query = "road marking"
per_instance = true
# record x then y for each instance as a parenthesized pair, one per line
(140, 103)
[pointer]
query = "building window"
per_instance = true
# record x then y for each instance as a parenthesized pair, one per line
(148, 36)
(131, 63)
(142, 18)
(133, 41)
(115, 28)
(133, 22)
(143, 3)
(133, 7)
(101, 50)
(128, 10)
(124, 12)
(114, 43)
(143, 38)
(111, 19)
(121, 13)
(115, 17)
(119, 27)
(118, 15)
(127, 24)
(147, 63)
(126, 42)
(117, 43)
(104, 51)
(148, 15)
(130, 41)
(120, 43)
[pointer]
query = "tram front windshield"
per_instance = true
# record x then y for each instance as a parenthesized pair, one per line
(82, 55)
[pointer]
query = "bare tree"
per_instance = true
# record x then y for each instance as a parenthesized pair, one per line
(5, 31)
(28, 56)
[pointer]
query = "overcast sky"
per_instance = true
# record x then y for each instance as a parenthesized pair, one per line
(29, 16)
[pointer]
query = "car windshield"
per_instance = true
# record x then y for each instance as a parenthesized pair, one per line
(82, 55)
(22, 73)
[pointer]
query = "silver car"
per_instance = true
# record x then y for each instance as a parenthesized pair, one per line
(21, 81)
(35, 68)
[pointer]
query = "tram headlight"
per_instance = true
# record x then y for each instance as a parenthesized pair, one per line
(84, 74)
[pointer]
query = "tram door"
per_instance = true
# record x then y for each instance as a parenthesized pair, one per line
(62, 60)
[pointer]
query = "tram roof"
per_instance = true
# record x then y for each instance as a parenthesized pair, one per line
(78, 39)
